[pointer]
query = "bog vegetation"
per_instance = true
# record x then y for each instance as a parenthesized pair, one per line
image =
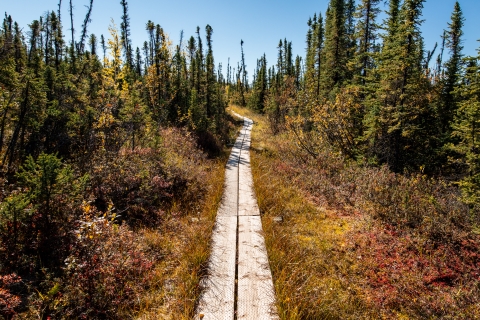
(370, 159)
(367, 148)
(111, 165)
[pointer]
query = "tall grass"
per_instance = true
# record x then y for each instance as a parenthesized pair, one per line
(347, 241)
(185, 244)
(138, 237)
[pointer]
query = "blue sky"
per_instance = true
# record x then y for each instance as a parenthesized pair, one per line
(261, 24)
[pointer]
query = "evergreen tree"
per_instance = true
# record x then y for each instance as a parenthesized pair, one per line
(466, 131)
(104, 47)
(260, 86)
(402, 115)
(309, 35)
(298, 72)
(138, 62)
(244, 69)
(192, 48)
(289, 59)
(351, 43)
(72, 45)
(453, 42)
(315, 56)
(93, 44)
(57, 38)
(125, 34)
(210, 74)
(318, 53)
(242, 77)
(83, 37)
(366, 34)
(280, 62)
(335, 45)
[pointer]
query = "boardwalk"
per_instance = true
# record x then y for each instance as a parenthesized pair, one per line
(239, 285)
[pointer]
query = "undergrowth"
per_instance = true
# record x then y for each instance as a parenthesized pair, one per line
(347, 241)
(129, 238)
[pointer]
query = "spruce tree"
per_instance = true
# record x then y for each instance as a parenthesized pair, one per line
(350, 41)
(260, 86)
(280, 61)
(335, 45)
(298, 72)
(453, 42)
(83, 37)
(319, 54)
(393, 21)
(242, 77)
(125, 34)
(104, 47)
(366, 35)
(309, 36)
(244, 69)
(200, 64)
(57, 38)
(93, 44)
(289, 59)
(210, 75)
(72, 46)
(466, 131)
(398, 121)
(192, 48)
(138, 62)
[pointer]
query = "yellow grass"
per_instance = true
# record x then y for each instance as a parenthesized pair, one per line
(184, 242)
(332, 258)
(309, 266)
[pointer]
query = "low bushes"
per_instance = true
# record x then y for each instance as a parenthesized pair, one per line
(97, 243)
(361, 242)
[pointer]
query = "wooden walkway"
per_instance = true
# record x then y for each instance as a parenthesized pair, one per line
(239, 284)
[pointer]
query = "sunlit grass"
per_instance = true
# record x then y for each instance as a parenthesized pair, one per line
(304, 249)
(185, 245)
(301, 238)
(335, 252)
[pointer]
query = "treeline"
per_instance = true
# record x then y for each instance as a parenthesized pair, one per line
(67, 98)
(84, 146)
(372, 91)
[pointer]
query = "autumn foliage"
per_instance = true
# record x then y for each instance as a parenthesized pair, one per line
(101, 150)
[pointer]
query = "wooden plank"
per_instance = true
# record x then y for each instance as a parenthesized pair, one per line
(238, 218)
(247, 201)
(228, 205)
(218, 298)
(256, 295)
(217, 301)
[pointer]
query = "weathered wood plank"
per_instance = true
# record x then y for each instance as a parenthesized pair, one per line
(228, 206)
(256, 295)
(217, 301)
(247, 201)
(239, 219)
(218, 298)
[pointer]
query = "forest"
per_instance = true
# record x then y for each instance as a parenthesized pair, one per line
(111, 161)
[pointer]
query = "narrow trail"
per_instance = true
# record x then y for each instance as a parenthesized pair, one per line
(239, 285)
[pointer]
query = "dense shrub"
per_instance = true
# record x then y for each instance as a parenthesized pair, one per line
(75, 237)
(36, 217)
(140, 182)
(362, 242)
(106, 273)
(428, 206)
(9, 301)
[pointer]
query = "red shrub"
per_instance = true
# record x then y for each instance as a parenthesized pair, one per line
(108, 271)
(9, 302)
